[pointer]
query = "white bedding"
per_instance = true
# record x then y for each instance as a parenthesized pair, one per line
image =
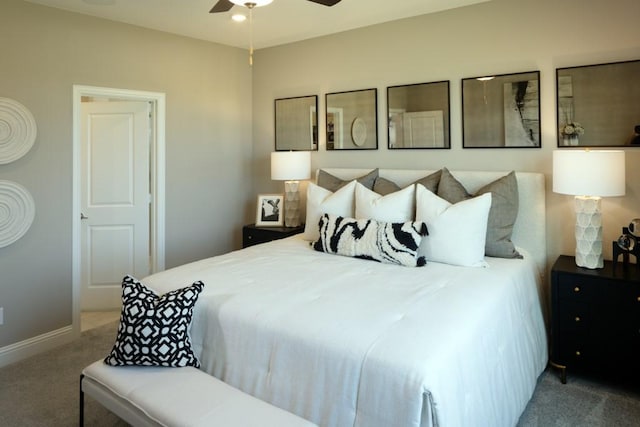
(349, 342)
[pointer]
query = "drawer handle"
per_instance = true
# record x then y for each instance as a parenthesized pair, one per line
(576, 289)
(577, 319)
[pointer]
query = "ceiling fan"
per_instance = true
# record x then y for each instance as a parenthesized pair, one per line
(226, 5)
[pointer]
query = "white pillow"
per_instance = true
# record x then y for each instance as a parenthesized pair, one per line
(394, 207)
(457, 232)
(321, 201)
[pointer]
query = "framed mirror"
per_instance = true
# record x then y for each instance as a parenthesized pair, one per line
(418, 115)
(296, 123)
(501, 111)
(598, 106)
(352, 120)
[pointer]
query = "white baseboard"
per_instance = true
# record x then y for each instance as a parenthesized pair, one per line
(32, 346)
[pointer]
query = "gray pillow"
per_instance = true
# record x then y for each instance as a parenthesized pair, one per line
(383, 186)
(431, 182)
(333, 183)
(502, 215)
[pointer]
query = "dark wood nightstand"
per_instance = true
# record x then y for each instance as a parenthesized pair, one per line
(595, 320)
(252, 235)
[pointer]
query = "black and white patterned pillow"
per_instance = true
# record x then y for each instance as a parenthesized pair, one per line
(387, 242)
(154, 330)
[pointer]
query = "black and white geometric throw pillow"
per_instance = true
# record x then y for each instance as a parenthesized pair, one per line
(386, 242)
(154, 330)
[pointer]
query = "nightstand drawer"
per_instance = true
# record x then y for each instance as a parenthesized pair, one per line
(575, 351)
(631, 298)
(574, 316)
(584, 353)
(578, 288)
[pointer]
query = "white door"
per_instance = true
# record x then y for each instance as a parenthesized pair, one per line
(115, 199)
(423, 129)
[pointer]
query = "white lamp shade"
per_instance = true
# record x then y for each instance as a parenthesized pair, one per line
(290, 165)
(589, 172)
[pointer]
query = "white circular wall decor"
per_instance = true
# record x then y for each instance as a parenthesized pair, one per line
(17, 211)
(359, 131)
(17, 130)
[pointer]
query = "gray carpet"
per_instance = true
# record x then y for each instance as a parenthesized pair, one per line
(582, 402)
(43, 391)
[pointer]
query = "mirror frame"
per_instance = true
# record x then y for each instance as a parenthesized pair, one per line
(488, 115)
(603, 102)
(352, 120)
(430, 98)
(303, 120)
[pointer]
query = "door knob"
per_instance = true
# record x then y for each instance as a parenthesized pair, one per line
(83, 216)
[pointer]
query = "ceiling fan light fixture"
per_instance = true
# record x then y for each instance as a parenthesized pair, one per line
(253, 3)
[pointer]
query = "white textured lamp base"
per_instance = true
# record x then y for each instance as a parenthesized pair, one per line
(588, 232)
(291, 204)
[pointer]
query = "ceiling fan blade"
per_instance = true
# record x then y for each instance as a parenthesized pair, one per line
(326, 2)
(221, 6)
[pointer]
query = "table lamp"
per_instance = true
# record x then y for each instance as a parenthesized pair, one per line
(291, 166)
(589, 175)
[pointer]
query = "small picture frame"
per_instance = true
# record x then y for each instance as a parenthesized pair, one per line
(269, 212)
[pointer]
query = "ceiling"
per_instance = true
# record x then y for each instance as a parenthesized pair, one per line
(283, 21)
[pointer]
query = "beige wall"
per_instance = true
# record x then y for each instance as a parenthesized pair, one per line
(498, 37)
(43, 53)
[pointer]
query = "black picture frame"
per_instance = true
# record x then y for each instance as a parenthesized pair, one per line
(352, 120)
(270, 210)
(501, 111)
(600, 103)
(425, 104)
(296, 123)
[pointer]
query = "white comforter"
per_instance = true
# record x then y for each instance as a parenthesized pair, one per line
(349, 342)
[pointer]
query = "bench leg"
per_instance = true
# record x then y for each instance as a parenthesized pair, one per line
(81, 408)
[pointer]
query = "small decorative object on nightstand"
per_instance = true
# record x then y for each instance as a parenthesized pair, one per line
(252, 234)
(595, 320)
(269, 210)
(626, 245)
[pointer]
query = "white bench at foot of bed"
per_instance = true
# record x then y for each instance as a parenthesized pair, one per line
(150, 396)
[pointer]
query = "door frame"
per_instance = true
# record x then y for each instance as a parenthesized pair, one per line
(156, 185)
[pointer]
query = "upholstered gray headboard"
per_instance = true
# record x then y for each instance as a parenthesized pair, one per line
(529, 231)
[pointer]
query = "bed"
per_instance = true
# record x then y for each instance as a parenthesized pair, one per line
(350, 342)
